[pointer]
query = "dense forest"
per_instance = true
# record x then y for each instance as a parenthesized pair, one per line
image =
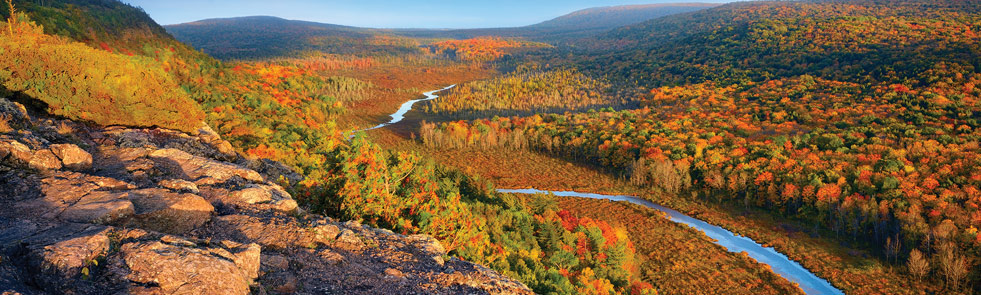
(525, 91)
(857, 117)
(479, 50)
(285, 110)
(854, 121)
(855, 41)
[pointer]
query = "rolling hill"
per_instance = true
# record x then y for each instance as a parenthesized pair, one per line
(257, 37)
(578, 24)
(105, 24)
(600, 19)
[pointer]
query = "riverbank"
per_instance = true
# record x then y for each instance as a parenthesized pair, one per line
(779, 263)
(854, 271)
(405, 107)
(681, 259)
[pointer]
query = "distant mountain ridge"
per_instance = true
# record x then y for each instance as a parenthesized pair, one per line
(577, 24)
(617, 16)
(262, 20)
(257, 37)
(261, 36)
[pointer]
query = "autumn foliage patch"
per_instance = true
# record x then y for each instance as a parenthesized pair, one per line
(80, 82)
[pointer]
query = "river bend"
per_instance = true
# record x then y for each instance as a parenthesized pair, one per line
(779, 263)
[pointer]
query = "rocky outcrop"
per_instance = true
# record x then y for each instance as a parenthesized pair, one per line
(16, 154)
(44, 160)
(152, 211)
(166, 211)
(177, 266)
(199, 170)
(100, 208)
(66, 252)
(72, 157)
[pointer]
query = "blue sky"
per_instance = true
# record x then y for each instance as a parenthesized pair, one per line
(381, 13)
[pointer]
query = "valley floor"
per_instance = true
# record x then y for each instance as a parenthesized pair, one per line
(691, 256)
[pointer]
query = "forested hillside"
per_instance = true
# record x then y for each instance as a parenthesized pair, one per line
(856, 117)
(263, 37)
(524, 92)
(572, 26)
(592, 20)
(845, 134)
(856, 41)
(259, 37)
(108, 25)
(65, 76)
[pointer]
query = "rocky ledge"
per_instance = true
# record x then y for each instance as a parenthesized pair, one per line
(92, 210)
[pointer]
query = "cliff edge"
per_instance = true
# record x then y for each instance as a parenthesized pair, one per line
(108, 210)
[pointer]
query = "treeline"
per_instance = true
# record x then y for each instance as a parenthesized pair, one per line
(482, 134)
(526, 90)
(888, 166)
(321, 62)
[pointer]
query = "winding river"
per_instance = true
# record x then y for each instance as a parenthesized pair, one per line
(399, 115)
(779, 263)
